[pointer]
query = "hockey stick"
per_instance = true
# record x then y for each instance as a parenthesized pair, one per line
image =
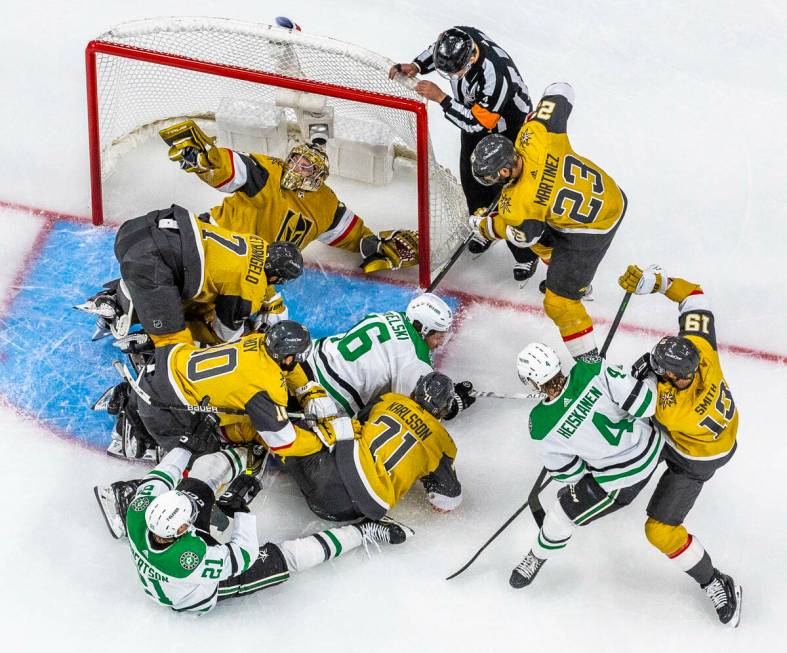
(455, 256)
(535, 503)
(204, 407)
(478, 394)
(491, 539)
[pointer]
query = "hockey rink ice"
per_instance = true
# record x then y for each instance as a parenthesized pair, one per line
(683, 104)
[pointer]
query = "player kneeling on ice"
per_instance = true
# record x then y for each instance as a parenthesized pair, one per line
(594, 435)
(182, 567)
(696, 408)
(285, 200)
(385, 352)
(372, 466)
(188, 281)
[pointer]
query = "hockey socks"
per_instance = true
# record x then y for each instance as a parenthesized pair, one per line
(554, 534)
(307, 552)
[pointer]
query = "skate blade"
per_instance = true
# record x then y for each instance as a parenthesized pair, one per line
(736, 617)
(106, 502)
(101, 330)
(103, 401)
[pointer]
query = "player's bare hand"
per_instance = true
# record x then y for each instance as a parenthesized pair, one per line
(430, 91)
(406, 69)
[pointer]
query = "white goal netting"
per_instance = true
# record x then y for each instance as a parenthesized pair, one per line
(133, 94)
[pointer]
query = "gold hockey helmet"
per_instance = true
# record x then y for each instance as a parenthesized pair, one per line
(305, 168)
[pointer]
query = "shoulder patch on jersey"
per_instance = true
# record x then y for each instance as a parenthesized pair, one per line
(504, 204)
(140, 504)
(524, 137)
(189, 560)
(667, 398)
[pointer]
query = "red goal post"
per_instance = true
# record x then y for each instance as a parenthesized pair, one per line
(142, 73)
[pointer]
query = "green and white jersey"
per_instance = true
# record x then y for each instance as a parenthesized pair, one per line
(599, 425)
(382, 353)
(185, 575)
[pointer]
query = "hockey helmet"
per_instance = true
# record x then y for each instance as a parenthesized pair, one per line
(453, 52)
(283, 261)
(435, 393)
(537, 364)
(287, 338)
(169, 512)
(305, 168)
(490, 156)
(430, 313)
(676, 355)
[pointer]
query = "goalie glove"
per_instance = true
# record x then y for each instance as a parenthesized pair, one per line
(389, 250)
(644, 282)
(315, 400)
(191, 147)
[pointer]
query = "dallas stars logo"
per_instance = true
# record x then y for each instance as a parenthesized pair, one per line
(189, 560)
(504, 204)
(139, 504)
(667, 399)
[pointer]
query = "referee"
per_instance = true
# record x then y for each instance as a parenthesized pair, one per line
(489, 97)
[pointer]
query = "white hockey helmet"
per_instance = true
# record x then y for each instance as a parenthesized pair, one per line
(431, 312)
(168, 512)
(536, 364)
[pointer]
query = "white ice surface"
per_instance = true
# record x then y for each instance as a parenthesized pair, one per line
(685, 105)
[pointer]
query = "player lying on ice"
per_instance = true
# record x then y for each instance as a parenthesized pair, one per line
(237, 393)
(284, 200)
(696, 408)
(372, 464)
(182, 567)
(594, 435)
(188, 281)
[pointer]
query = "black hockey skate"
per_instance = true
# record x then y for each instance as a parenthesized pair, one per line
(385, 530)
(114, 501)
(727, 597)
(525, 572)
(523, 271)
(478, 245)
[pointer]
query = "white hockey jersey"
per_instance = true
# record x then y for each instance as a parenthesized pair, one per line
(599, 424)
(381, 353)
(185, 575)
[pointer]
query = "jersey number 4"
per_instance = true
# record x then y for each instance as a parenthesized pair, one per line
(392, 430)
(573, 199)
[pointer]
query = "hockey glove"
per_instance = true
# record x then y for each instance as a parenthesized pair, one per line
(191, 147)
(644, 282)
(389, 250)
(239, 495)
(641, 367)
(333, 430)
(463, 398)
(482, 227)
(204, 436)
(315, 400)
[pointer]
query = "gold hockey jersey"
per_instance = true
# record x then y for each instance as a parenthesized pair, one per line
(399, 444)
(258, 204)
(702, 420)
(241, 376)
(557, 186)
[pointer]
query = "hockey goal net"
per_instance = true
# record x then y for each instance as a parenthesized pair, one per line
(144, 73)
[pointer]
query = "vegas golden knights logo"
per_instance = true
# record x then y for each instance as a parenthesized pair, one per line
(295, 228)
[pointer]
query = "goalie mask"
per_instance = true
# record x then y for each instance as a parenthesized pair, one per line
(305, 168)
